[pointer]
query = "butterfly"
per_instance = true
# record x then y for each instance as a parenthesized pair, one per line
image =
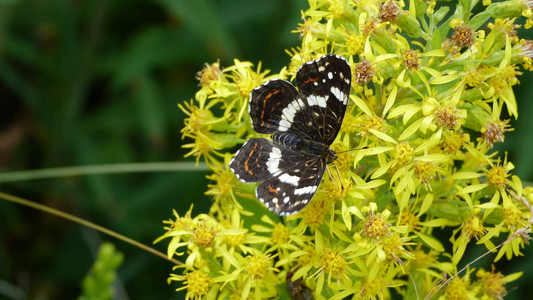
(297, 289)
(302, 123)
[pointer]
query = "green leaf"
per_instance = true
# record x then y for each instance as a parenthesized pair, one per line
(430, 241)
(97, 284)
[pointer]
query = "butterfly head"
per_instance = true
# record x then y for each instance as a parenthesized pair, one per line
(330, 155)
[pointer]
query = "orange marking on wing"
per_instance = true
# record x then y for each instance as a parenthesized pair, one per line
(311, 79)
(246, 168)
(265, 101)
(272, 190)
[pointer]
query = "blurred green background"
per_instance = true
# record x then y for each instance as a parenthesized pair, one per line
(92, 82)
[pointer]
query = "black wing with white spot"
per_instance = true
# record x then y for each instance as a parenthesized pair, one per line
(260, 159)
(290, 179)
(291, 191)
(250, 163)
(267, 105)
(315, 112)
(325, 85)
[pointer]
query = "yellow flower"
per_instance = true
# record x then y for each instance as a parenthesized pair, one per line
(196, 282)
(205, 145)
(492, 284)
(410, 220)
(459, 289)
(354, 45)
(473, 228)
(376, 226)
(403, 154)
(497, 176)
(210, 73)
(332, 261)
(493, 132)
(313, 214)
(463, 36)
(222, 189)
(245, 78)
(411, 59)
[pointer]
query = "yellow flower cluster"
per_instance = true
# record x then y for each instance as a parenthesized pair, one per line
(425, 110)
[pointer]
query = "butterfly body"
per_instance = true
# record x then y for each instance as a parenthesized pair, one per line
(302, 124)
(304, 146)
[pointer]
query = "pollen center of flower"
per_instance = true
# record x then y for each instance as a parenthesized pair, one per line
(411, 220)
(280, 234)
(209, 73)
(447, 117)
(257, 266)
(411, 60)
(513, 217)
(404, 153)
(314, 213)
(473, 79)
(424, 171)
(392, 246)
(497, 176)
(493, 284)
(376, 227)
(463, 36)
(364, 72)
(457, 290)
(204, 235)
(474, 228)
(333, 262)
(355, 44)
(373, 122)
(197, 283)
(337, 8)
(493, 132)
(389, 11)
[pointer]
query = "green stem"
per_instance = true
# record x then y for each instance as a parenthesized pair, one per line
(86, 223)
(101, 169)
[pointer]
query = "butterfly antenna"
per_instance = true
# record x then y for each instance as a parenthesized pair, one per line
(355, 149)
(338, 175)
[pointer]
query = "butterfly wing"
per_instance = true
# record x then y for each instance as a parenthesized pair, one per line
(290, 179)
(295, 186)
(250, 163)
(325, 85)
(267, 104)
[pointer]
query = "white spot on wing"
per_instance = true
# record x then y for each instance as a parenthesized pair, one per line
(284, 125)
(339, 95)
(316, 100)
(330, 75)
(273, 161)
(292, 180)
(305, 190)
(287, 115)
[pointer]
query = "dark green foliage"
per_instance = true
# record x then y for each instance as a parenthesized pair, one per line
(98, 82)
